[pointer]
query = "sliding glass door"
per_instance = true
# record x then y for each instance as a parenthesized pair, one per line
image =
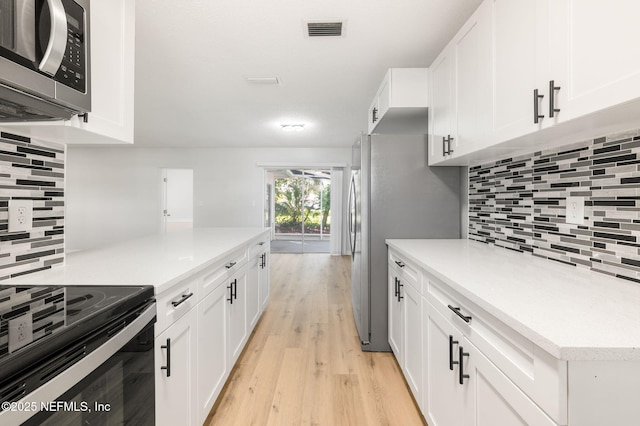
(302, 211)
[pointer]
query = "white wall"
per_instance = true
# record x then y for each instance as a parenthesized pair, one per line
(114, 193)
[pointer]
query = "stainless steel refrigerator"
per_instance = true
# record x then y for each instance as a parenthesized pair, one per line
(393, 194)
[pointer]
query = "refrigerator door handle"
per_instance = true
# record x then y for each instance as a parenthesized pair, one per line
(352, 216)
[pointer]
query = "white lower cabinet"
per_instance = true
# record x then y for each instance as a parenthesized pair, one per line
(412, 339)
(443, 396)
(206, 322)
(491, 398)
(238, 331)
(213, 363)
(175, 366)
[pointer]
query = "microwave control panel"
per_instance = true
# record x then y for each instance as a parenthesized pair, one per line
(72, 71)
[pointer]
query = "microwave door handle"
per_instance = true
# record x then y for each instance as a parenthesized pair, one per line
(25, 42)
(57, 38)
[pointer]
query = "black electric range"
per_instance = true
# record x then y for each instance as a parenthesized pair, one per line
(38, 322)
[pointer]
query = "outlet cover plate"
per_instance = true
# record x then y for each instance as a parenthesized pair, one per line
(20, 215)
(575, 210)
(20, 331)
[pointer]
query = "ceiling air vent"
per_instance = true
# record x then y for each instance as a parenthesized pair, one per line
(324, 29)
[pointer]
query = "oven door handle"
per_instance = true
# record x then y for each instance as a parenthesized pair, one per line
(64, 381)
(57, 39)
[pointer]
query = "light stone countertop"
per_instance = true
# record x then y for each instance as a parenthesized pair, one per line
(572, 313)
(160, 260)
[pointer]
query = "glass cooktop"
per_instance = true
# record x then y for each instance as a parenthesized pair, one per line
(41, 319)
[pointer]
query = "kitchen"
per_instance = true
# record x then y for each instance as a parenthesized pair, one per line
(478, 114)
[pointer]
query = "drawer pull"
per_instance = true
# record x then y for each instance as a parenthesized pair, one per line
(456, 310)
(451, 361)
(395, 282)
(261, 243)
(181, 301)
(168, 366)
(462, 376)
(230, 265)
(400, 296)
(400, 264)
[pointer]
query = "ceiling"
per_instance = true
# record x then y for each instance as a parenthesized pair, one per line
(193, 58)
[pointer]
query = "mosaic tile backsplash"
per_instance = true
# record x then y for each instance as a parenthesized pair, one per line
(519, 204)
(31, 170)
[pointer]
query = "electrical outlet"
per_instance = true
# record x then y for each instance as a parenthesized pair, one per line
(20, 331)
(575, 210)
(20, 215)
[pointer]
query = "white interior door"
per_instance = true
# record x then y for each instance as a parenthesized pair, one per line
(177, 191)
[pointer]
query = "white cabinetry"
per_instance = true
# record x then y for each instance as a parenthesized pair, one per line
(203, 325)
(405, 320)
(594, 59)
(400, 104)
(112, 42)
(460, 90)
(175, 366)
(521, 72)
(559, 71)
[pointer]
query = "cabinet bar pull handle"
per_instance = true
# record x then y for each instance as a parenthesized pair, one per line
(400, 264)
(261, 243)
(181, 301)
(400, 297)
(451, 343)
(444, 146)
(230, 287)
(230, 265)
(456, 310)
(235, 288)
(168, 366)
(552, 99)
(374, 115)
(462, 376)
(536, 101)
(449, 150)
(395, 279)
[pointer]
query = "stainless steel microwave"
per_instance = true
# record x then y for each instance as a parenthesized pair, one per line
(44, 59)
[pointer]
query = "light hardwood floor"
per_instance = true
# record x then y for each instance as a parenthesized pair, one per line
(303, 364)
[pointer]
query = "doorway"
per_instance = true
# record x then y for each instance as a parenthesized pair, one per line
(177, 199)
(301, 211)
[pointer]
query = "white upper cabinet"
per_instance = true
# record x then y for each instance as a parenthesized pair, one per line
(112, 42)
(473, 105)
(441, 105)
(520, 67)
(460, 108)
(595, 59)
(400, 104)
(560, 71)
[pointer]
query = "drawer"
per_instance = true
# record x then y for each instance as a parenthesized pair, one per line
(259, 247)
(172, 304)
(537, 373)
(219, 271)
(405, 270)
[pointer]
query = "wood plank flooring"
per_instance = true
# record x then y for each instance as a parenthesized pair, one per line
(303, 364)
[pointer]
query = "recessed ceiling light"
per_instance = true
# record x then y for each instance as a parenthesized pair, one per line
(264, 80)
(293, 127)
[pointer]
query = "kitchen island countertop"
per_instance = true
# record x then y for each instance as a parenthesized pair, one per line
(160, 260)
(572, 313)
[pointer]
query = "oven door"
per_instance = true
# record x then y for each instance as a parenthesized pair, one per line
(112, 385)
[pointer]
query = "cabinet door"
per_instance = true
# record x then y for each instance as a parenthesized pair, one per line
(253, 291)
(176, 386)
(264, 281)
(112, 72)
(213, 366)
(594, 59)
(237, 320)
(493, 398)
(444, 394)
(473, 82)
(412, 339)
(442, 105)
(520, 66)
(396, 293)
